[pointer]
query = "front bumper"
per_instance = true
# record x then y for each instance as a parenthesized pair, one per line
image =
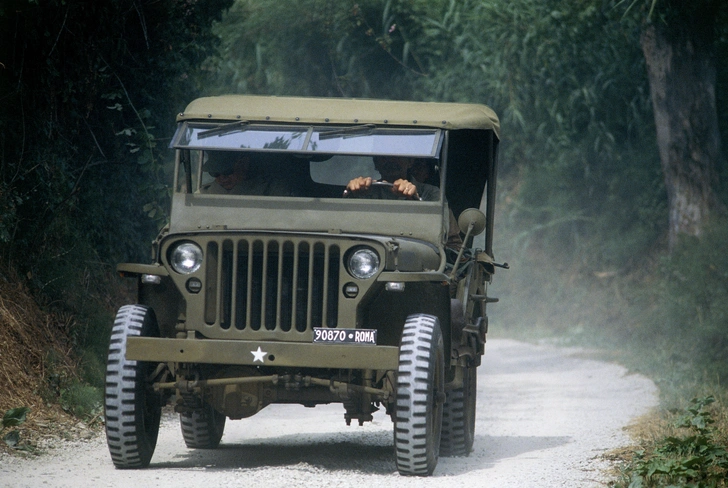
(259, 353)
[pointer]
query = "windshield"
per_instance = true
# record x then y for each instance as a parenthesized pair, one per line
(354, 140)
(276, 174)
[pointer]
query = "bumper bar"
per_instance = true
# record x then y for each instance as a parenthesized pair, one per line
(254, 353)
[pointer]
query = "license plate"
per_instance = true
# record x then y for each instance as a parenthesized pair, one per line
(345, 336)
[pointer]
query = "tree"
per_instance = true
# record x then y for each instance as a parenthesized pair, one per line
(678, 42)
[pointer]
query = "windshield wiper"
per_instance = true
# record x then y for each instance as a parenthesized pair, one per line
(223, 129)
(356, 130)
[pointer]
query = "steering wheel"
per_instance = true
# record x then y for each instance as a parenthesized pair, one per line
(378, 190)
(375, 191)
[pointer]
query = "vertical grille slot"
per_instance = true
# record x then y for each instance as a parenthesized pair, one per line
(243, 275)
(211, 286)
(333, 258)
(286, 285)
(264, 284)
(257, 282)
(227, 285)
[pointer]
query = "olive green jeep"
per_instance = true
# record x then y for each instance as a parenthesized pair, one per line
(276, 282)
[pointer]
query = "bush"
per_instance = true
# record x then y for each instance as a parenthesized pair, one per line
(81, 400)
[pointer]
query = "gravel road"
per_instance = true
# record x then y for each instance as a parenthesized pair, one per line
(545, 416)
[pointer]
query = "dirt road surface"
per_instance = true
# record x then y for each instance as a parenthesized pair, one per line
(545, 417)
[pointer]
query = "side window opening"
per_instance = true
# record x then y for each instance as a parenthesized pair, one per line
(188, 161)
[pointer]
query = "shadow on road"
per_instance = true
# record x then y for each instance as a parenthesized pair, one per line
(369, 454)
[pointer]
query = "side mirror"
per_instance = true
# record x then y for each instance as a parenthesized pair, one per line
(471, 217)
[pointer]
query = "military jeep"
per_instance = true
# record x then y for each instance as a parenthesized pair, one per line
(301, 293)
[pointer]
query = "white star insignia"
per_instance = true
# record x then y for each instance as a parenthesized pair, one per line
(258, 355)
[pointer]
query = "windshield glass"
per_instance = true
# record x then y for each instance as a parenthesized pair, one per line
(353, 140)
(276, 174)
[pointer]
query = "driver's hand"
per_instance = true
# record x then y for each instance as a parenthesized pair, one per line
(359, 183)
(405, 188)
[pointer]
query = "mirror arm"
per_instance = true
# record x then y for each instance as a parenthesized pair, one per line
(460, 253)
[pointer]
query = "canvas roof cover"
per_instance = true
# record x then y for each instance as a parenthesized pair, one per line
(298, 110)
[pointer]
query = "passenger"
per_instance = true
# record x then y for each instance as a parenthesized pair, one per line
(235, 175)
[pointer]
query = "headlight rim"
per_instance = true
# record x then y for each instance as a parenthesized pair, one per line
(196, 249)
(354, 271)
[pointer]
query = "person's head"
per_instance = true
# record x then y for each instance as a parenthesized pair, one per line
(392, 168)
(227, 167)
(421, 170)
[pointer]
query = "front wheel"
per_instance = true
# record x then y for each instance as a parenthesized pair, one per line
(131, 407)
(419, 396)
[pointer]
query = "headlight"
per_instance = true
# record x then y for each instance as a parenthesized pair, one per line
(363, 263)
(186, 258)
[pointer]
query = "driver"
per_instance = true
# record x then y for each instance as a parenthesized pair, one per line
(394, 170)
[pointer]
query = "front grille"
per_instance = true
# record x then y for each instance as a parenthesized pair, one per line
(269, 284)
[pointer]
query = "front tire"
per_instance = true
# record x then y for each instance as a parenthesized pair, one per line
(132, 408)
(419, 396)
(203, 428)
(458, 417)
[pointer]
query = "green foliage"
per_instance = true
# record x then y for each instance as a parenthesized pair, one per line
(320, 48)
(88, 91)
(82, 400)
(13, 418)
(317, 47)
(696, 459)
(80, 391)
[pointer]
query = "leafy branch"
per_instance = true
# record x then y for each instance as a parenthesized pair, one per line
(13, 418)
(384, 41)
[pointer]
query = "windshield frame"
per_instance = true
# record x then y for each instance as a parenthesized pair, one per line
(312, 139)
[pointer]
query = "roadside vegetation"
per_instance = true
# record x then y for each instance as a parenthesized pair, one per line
(686, 448)
(585, 216)
(88, 93)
